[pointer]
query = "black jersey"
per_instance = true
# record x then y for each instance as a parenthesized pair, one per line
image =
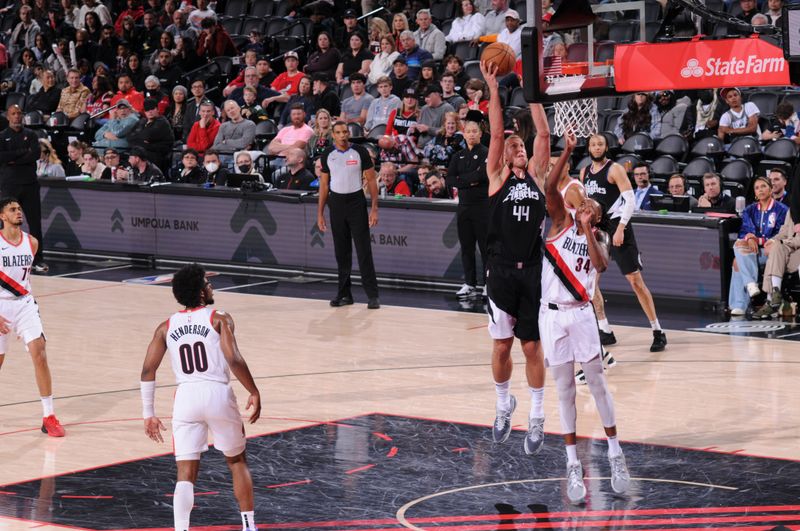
(516, 221)
(607, 194)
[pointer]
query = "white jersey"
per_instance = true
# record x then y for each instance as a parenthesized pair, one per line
(568, 275)
(194, 347)
(563, 192)
(15, 270)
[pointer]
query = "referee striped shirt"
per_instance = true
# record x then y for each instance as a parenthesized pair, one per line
(346, 167)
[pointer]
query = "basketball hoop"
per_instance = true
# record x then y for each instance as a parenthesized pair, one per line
(578, 116)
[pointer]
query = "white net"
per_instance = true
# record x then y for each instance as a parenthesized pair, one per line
(578, 116)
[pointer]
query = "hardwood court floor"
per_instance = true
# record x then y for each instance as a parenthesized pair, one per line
(315, 363)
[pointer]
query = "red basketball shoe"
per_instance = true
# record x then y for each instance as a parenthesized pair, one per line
(52, 427)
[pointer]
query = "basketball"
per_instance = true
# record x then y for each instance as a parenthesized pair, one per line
(501, 55)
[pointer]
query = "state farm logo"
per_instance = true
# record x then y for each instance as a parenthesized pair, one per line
(692, 69)
(717, 66)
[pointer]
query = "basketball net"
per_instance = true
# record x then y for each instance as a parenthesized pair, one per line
(578, 115)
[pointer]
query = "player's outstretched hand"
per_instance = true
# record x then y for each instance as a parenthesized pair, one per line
(254, 401)
(585, 218)
(5, 325)
(489, 71)
(570, 141)
(153, 428)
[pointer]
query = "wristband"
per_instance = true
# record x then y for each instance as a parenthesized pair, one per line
(148, 392)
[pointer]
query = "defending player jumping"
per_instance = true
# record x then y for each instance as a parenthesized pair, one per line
(19, 310)
(202, 348)
(514, 245)
(574, 251)
(607, 183)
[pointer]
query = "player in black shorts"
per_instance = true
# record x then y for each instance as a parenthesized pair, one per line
(514, 247)
(607, 183)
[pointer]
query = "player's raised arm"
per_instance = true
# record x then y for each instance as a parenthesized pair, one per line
(494, 160)
(597, 240)
(224, 323)
(555, 203)
(537, 166)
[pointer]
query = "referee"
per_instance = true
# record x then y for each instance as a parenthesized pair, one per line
(340, 181)
(467, 173)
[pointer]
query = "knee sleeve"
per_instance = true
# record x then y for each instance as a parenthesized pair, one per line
(598, 386)
(565, 383)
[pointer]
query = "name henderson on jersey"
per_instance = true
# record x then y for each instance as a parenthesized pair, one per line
(19, 260)
(181, 331)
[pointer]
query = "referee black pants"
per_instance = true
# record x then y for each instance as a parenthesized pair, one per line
(350, 225)
(472, 222)
(31, 203)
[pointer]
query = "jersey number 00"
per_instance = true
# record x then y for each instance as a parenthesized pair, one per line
(193, 357)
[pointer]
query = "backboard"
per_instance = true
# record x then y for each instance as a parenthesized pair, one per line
(569, 54)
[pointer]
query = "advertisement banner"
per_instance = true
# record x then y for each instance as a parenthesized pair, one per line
(699, 64)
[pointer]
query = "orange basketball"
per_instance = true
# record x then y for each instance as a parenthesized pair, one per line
(501, 55)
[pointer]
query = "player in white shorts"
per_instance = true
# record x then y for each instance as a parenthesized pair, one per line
(18, 308)
(573, 193)
(574, 251)
(202, 349)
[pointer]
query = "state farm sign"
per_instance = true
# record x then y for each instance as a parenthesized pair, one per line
(699, 64)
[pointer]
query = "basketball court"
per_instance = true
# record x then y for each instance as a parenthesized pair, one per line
(379, 420)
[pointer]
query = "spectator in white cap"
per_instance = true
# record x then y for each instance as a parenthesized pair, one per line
(511, 34)
(288, 82)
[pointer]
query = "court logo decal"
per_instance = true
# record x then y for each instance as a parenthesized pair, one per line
(117, 221)
(59, 212)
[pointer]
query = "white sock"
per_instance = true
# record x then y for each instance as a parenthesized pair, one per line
(655, 325)
(248, 521)
(572, 454)
(776, 281)
(537, 402)
(613, 446)
(752, 289)
(182, 503)
(604, 326)
(47, 406)
(503, 396)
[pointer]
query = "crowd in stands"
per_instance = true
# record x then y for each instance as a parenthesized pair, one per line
(201, 92)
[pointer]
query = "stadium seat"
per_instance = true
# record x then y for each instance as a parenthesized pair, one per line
(443, 10)
(651, 30)
(225, 65)
(345, 92)
(377, 132)
(612, 143)
(250, 24)
(265, 132)
(282, 8)
(709, 146)
(766, 165)
(465, 50)
(578, 52)
(473, 70)
(674, 145)
(286, 43)
(232, 25)
(80, 121)
(445, 26)
(766, 102)
(664, 166)
(628, 161)
(697, 167)
(781, 149)
(611, 124)
(261, 8)
(236, 8)
(15, 98)
(639, 143)
(622, 103)
(373, 91)
(356, 132)
(276, 25)
(738, 170)
(606, 103)
(605, 52)
(621, 31)
(33, 119)
(721, 30)
(652, 11)
(584, 162)
(304, 29)
(745, 147)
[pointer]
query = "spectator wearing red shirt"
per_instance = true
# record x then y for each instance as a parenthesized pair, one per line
(214, 41)
(250, 59)
(389, 181)
(135, 10)
(288, 82)
(204, 131)
(127, 92)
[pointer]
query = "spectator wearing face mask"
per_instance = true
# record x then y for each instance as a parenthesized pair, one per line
(215, 173)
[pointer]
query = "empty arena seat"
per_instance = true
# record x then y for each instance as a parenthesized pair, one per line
(746, 147)
(443, 10)
(578, 52)
(781, 149)
(664, 166)
(738, 170)
(605, 52)
(517, 98)
(710, 146)
(628, 161)
(639, 143)
(465, 50)
(356, 132)
(252, 23)
(261, 8)
(766, 102)
(232, 25)
(473, 70)
(621, 31)
(793, 98)
(236, 8)
(697, 167)
(651, 31)
(377, 132)
(674, 145)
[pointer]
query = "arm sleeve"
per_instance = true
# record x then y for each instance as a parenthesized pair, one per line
(390, 131)
(628, 207)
